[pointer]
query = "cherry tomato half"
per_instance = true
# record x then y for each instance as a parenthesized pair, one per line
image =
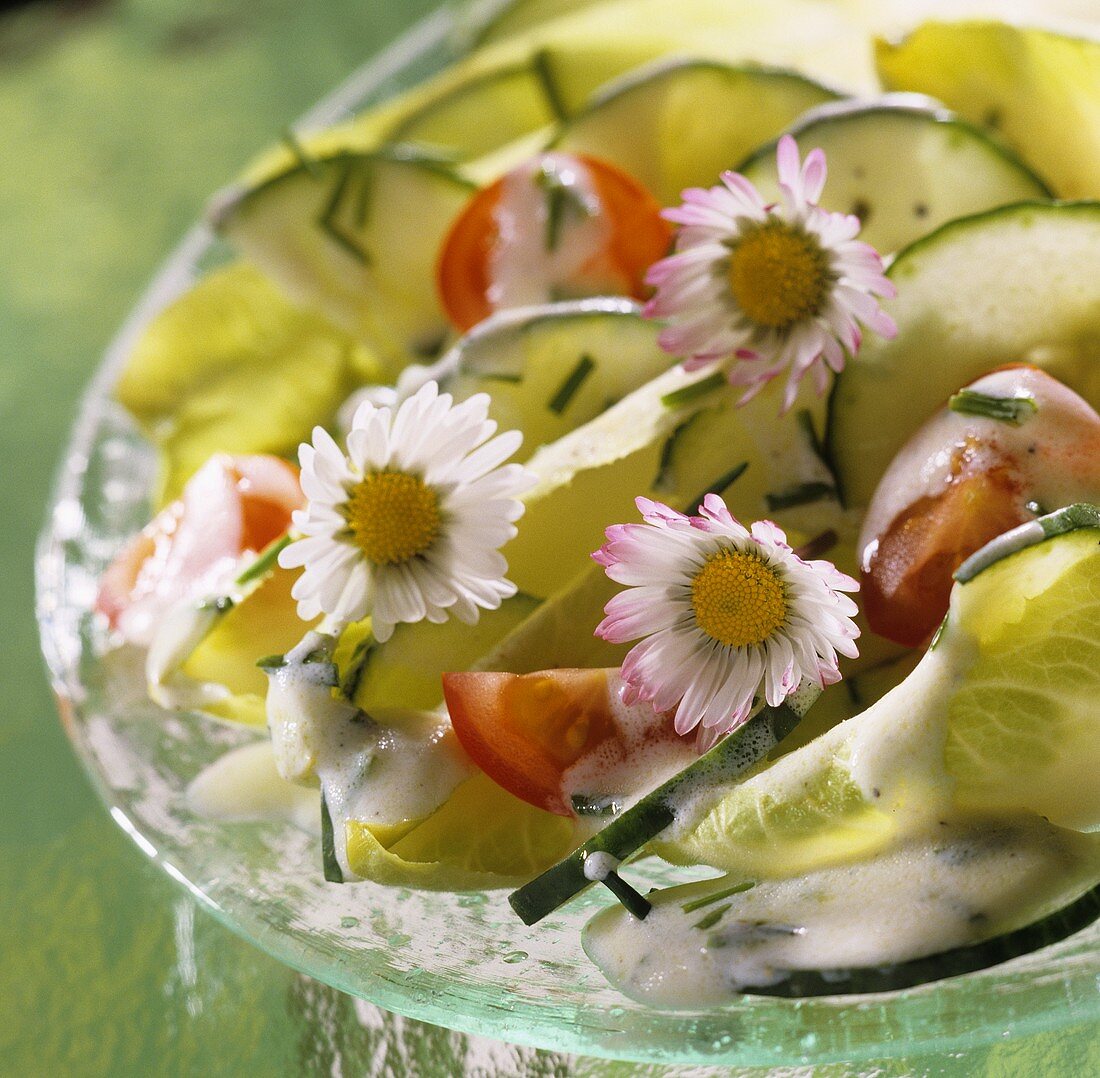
(636, 236)
(525, 731)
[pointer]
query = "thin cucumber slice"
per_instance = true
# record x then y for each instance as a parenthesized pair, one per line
(658, 810)
(486, 112)
(679, 124)
(589, 478)
(494, 20)
(1058, 926)
(1038, 88)
(356, 236)
(903, 165)
(1020, 283)
(554, 368)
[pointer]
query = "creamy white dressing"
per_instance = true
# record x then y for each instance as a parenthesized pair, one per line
(640, 759)
(956, 882)
(1051, 455)
(386, 768)
(536, 260)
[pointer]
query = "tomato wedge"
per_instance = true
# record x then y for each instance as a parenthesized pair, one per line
(1014, 443)
(528, 732)
(630, 237)
(232, 505)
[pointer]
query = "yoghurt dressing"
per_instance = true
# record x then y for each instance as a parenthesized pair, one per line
(393, 767)
(956, 883)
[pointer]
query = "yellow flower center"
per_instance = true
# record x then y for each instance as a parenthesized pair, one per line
(778, 276)
(393, 516)
(738, 599)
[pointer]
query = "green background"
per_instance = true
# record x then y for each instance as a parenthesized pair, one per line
(116, 120)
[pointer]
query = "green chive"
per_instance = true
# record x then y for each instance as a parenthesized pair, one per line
(712, 918)
(265, 561)
(596, 805)
(560, 198)
(568, 389)
(271, 662)
(637, 905)
(717, 896)
(803, 494)
(327, 219)
(222, 604)
(686, 394)
(333, 872)
(1012, 410)
(719, 486)
(540, 62)
(666, 473)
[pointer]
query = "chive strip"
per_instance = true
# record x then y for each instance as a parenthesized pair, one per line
(712, 918)
(308, 162)
(356, 666)
(327, 219)
(510, 379)
(628, 833)
(265, 562)
(818, 545)
(221, 604)
(806, 422)
(688, 393)
(540, 64)
(329, 861)
(596, 805)
(637, 905)
(560, 197)
(1012, 410)
(271, 662)
(666, 473)
(803, 494)
(719, 486)
(568, 389)
(717, 896)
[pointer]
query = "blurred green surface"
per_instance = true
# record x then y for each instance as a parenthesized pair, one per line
(117, 119)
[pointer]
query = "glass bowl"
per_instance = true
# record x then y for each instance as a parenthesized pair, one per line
(462, 961)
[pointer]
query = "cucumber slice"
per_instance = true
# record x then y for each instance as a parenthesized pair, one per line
(628, 833)
(354, 235)
(486, 22)
(680, 124)
(1038, 88)
(590, 478)
(484, 113)
(405, 671)
(551, 369)
(903, 166)
(1053, 928)
(1021, 283)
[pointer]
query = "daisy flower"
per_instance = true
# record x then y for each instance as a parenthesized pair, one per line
(407, 523)
(724, 613)
(784, 286)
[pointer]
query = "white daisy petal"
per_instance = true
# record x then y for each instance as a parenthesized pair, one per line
(725, 614)
(406, 526)
(788, 283)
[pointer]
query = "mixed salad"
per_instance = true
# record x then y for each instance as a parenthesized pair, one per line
(666, 433)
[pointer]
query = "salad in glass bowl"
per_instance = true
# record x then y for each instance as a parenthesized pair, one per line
(660, 448)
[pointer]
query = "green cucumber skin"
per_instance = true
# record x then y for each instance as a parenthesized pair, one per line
(1085, 208)
(1067, 519)
(801, 983)
(905, 104)
(625, 835)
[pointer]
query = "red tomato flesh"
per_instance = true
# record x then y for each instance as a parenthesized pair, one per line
(638, 237)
